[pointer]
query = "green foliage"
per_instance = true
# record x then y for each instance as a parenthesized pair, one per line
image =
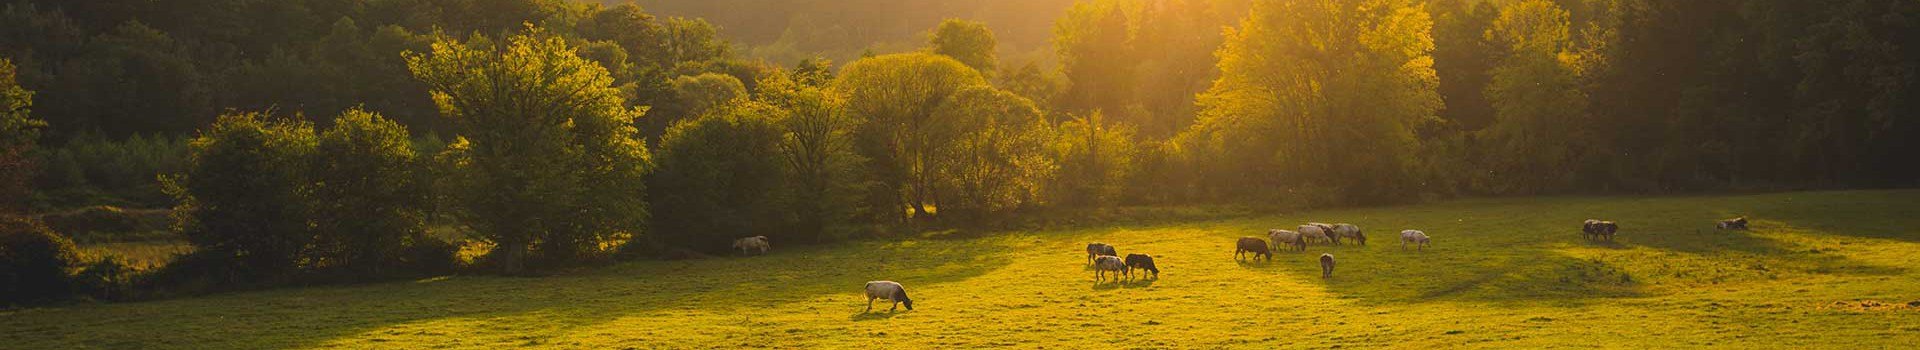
(125, 67)
(33, 261)
(1539, 107)
(243, 193)
(19, 133)
(1031, 82)
(1462, 57)
(90, 169)
(969, 42)
(995, 158)
(1094, 155)
(896, 97)
(1319, 94)
(703, 93)
(1092, 41)
(548, 163)
(722, 177)
(107, 278)
(828, 175)
(367, 204)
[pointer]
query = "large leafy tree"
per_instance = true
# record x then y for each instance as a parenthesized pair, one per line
(828, 175)
(1539, 104)
(550, 167)
(368, 204)
(1321, 95)
(995, 159)
(722, 177)
(244, 192)
(897, 98)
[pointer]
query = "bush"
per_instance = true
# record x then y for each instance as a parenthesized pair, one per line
(106, 279)
(243, 191)
(429, 256)
(366, 204)
(721, 178)
(33, 261)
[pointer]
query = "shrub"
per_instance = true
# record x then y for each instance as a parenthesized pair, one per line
(243, 192)
(721, 178)
(33, 261)
(429, 256)
(367, 205)
(106, 279)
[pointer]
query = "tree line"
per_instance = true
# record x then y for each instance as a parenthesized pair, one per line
(580, 133)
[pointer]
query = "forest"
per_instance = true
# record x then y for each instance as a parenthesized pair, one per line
(304, 141)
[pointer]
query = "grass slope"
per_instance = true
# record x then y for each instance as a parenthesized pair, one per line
(1826, 270)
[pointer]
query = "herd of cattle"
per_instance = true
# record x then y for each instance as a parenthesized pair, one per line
(1105, 259)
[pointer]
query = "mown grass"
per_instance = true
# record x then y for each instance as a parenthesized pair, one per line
(1819, 270)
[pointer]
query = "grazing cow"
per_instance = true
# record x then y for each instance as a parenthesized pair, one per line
(755, 243)
(1349, 232)
(1419, 239)
(1326, 265)
(1096, 249)
(891, 292)
(1607, 229)
(1105, 263)
(1252, 244)
(1144, 263)
(1326, 229)
(1283, 238)
(1316, 233)
(1594, 229)
(1739, 223)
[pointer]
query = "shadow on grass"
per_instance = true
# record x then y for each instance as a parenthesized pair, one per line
(1503, 258)
(877, 314)
(557, 304)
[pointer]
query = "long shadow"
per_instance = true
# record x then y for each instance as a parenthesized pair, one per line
(563, 302)
(1503, 259)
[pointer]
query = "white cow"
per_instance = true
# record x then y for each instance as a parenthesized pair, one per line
(1419, 239)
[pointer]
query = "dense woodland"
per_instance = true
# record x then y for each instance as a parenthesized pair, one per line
(561, 133)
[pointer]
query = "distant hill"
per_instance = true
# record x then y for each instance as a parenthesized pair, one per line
(785, 31)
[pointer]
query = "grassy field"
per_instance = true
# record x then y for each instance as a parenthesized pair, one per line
(1824, 270)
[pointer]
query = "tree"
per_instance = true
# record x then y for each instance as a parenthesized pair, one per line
(243, 194)
(1321, 96)
(1538, 102)
(1094, 45)
(1095, 155)
(969, 42)
(828, 175)
(996, 156)
(721, 176)
(19, 132)
(896, 98)
(1173, 46)
(705, 92)
(368, 205)
(548, 165)
(1462, 58)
